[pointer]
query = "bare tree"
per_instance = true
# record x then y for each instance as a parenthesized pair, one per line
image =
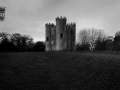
(83, 36)
(90, 36)
(95, 35)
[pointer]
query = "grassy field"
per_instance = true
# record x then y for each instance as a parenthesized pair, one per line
(59, 71)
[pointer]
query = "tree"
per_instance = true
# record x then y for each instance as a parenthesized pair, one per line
(83, 36)
(82, 47)
(27, 42)
(39, 46)
(4, 35)
(3, 45)
(101, 43)
(22, 42)
(109, 44)
(16, 40)
(90, 36)
(117, 41)
(6, 44)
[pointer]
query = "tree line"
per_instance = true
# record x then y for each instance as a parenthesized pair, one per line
(92, 39)
(19, 43)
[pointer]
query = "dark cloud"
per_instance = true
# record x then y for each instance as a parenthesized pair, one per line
(29, 16)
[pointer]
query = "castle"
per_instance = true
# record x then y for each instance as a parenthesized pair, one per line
(60, 37)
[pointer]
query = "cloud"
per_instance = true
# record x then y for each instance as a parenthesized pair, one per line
(29, 16)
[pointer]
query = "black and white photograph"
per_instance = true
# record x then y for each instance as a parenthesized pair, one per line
(59, 44)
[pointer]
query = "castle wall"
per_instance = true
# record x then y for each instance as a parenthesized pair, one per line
(48, 37)
(71, 31)
(73, 36)
(68, 36)
(53, 38)
(60, 34)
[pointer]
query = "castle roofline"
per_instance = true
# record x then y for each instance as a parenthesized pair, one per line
(71, 24)
(61, 18)
(50, 25)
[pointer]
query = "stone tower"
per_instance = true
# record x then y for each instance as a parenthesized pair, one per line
(50, 37)
(70, 36)
(60, 37)
(60, 33)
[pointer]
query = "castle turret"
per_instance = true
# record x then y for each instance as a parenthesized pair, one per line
(70, 35)
(73, 36)
(48, 37)
(53, 37)
(60, 33)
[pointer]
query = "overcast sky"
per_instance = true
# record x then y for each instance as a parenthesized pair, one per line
(29, 16)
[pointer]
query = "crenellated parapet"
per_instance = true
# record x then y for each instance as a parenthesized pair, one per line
(47, 25)
(61, 19)
(71, 25)
(70, 36)
(50, 36)
(60, 33)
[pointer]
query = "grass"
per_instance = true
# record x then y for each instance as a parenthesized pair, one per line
(59, 71)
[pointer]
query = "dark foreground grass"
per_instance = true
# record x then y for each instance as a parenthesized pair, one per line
(59, 71)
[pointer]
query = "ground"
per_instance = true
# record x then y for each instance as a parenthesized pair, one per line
(59, 71)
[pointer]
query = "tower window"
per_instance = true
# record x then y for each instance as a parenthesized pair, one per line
(52, 37)
(47, 39)
(61, 35)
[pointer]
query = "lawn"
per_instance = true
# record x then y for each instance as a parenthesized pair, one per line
(59, 71)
